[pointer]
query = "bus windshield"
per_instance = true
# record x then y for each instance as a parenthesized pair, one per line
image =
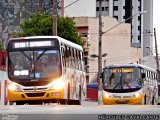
(34, 64)
(121, 79)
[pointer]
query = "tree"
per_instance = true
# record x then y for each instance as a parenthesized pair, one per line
(41, 25)
(1, 47)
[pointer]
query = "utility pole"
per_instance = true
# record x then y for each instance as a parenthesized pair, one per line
(157, 61)
(54, 17)
(100, 47)
(40, 6)
(100, 54)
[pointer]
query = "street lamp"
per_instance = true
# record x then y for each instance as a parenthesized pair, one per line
(94, 55)
(97, 56)
(100, 46)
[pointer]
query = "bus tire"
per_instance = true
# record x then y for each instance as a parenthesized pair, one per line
(63, 102)
(20, 103)
(10, 103)
(145, 100)
(153, 100)
(68, 93)
(80, 92)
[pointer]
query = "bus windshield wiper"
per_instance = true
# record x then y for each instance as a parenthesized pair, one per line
(25, 55)
(41, 55)
(116, 85)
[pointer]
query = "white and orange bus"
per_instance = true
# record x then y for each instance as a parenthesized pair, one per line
(129, 84)
(45, 69)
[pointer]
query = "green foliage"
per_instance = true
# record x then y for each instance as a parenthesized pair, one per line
(67, 29)
(37, 25)
(41, 25)
(1, 47)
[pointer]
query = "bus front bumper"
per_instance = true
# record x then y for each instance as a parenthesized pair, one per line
(35, 95)
(112, 101)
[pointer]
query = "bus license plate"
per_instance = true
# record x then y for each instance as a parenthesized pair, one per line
(121, 101)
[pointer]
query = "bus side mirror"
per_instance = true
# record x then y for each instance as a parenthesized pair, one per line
(143, 75)
(3, 60)
(101, 75)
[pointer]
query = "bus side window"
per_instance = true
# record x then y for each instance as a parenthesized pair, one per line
(67, 56)
(80, 60)
(72, 57)
(143, 75)
(63, 58)
(75, 59)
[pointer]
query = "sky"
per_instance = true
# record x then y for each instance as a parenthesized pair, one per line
(156, 20)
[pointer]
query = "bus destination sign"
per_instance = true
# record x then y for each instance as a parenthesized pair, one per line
(30, 44)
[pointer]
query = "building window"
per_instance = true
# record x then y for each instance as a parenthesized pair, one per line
(116, 17)
(139, 38)
(84, 34)
(115, 8)
(102, 8)
(97, 8)
(139, 8)
(106, 9)
(139, 18)
(139, 28)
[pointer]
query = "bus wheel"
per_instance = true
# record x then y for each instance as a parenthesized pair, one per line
(145, 100)
(74, 102)
(10, 103)
(63, 102)
(20, 103)
(80, 92)
(68, 93)
(153, 100)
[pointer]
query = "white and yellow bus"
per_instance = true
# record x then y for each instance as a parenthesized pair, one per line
(45, 69)
(129, 84)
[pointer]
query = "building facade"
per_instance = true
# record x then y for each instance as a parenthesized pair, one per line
(14, 12)
(141, 24)
(115, 43)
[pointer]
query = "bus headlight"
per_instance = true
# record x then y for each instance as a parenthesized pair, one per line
(136, 95)
(107, 95)
(57, 85)
(14, 87)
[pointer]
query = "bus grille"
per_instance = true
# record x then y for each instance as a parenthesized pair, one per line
(126, 96)
(117, 96)
(33, 89)
(35, 94)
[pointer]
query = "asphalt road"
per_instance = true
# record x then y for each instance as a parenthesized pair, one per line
(84, 112)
